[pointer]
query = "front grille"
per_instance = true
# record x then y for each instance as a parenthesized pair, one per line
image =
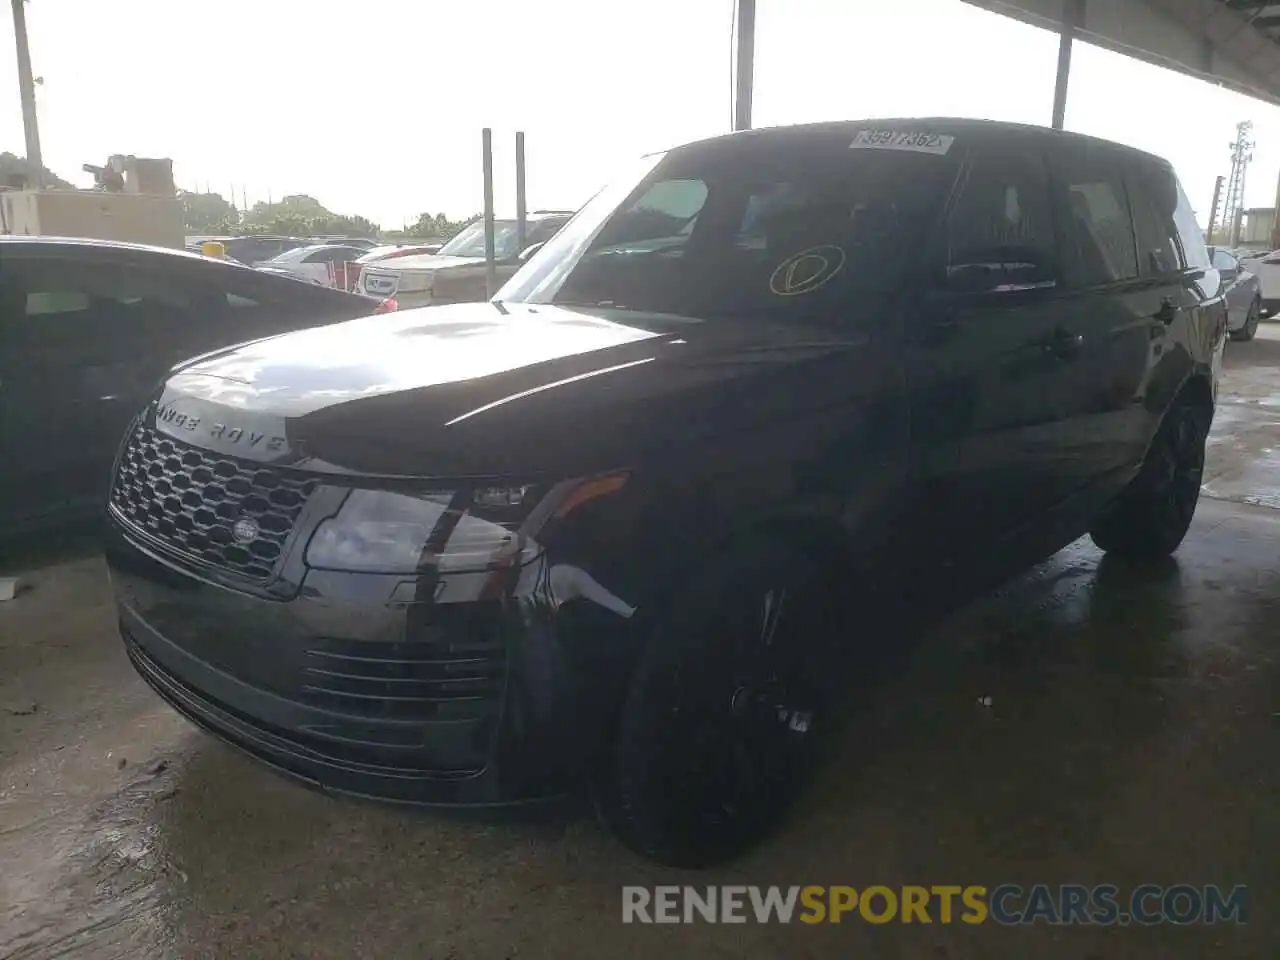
(191, 499)
(456, 670)
(380, 284)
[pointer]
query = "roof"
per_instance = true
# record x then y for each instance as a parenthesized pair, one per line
(12, 240)
(1234, 43)
(955, 126)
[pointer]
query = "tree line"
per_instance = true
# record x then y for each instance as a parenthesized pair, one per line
(299, 215)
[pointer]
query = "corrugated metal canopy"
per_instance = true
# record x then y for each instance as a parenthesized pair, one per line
(1235, 43)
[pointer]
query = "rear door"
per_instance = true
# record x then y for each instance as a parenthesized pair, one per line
(1121, 263)
(991, 353)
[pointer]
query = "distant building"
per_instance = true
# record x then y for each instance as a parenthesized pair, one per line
(1256, 229)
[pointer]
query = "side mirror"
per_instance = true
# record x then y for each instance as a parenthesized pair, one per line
(530, 250)
(1230, 273)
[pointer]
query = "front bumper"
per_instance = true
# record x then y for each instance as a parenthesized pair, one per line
(377, 687)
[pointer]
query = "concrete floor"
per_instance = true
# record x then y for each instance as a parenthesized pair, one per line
(1132, 736)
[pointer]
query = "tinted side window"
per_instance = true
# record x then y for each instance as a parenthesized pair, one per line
(763, 207)
(1153, 196)
(1100, 246)
(1000, 233)
(57, 289)
(1194, 253)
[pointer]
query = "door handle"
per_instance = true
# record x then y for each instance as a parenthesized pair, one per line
(1167, 312)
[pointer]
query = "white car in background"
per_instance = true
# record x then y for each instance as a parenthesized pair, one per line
(457, 273)
(318, 264)
(1267, 269)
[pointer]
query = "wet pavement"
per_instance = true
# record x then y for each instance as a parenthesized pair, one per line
(1131, 735)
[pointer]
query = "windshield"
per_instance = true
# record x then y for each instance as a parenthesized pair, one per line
(470, 242)
(784, 228)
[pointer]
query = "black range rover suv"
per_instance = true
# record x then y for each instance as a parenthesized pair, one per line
(609, 527)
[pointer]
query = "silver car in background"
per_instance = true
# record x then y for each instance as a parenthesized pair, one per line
(1244, 294)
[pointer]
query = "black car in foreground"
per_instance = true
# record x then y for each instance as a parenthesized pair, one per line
(624, 524)
(87, 330)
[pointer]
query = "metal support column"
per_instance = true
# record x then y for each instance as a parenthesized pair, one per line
(744, 64)
(1072, 20)
(1275, 221)
(490, 268)
(27, 91)
(521, 212)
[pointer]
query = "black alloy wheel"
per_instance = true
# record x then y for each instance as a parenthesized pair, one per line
(716, 736)
(1151, 517)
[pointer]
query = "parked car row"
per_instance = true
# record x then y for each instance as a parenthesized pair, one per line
(313, 262)
(260, 248)
(635, 522)
(456, 273)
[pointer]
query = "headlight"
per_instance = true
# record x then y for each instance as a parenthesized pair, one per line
(415, 281)
(474, 528)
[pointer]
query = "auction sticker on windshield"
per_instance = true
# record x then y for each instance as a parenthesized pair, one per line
(916, 141)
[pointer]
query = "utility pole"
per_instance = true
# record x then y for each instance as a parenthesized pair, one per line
(490, 270)
(1213, 210)
(1241, 155)
(521, 211)
(744, 57)
(27, 91)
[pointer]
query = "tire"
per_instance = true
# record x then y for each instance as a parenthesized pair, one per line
(1150, 517)
(716, 733)
(1250, 328)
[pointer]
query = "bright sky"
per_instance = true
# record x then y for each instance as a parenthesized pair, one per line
(375, 107)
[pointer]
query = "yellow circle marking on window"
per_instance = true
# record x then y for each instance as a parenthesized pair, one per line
(807, 270)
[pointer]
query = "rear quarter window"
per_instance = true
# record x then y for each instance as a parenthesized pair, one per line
(1153, 197)
(1097, 220)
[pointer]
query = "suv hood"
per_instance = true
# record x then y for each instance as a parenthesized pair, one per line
(430, 262)
(482, 388)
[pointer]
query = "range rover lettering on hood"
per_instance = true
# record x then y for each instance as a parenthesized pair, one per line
(209, 427)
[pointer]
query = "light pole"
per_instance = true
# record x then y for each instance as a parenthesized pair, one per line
(27, 90)
(744, 58)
